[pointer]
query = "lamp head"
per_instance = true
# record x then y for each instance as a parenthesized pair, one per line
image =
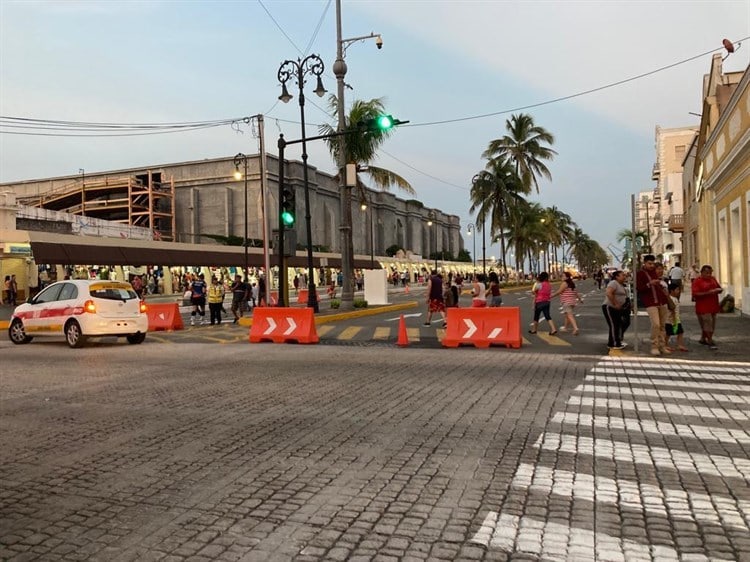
(285, 95)
(320, 91)
(237, 174)
(379, 42)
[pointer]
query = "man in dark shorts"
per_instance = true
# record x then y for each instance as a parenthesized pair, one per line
(239, 296)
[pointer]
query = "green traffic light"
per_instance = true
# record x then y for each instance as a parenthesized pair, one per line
(287, 218)
(384, 122)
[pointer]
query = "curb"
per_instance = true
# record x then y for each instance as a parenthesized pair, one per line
(4, 324)
(248, 321)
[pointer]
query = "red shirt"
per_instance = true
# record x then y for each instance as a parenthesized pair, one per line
(706, 304)
(650, 294)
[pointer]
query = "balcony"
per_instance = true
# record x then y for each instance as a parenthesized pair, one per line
(655, 172)
(676, 223)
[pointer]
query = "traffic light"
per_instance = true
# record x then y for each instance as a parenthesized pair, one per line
(381, 123)
(288, 207)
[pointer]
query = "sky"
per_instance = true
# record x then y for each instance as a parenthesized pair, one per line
(176, 61)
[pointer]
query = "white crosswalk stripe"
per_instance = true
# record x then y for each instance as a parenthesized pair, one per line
(676, 477)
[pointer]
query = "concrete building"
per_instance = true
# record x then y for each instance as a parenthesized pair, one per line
(201, 201)
(718, 182)
(667, 199)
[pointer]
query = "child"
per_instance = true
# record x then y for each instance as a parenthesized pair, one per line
(674, 325)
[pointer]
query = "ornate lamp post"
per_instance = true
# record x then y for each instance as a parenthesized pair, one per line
(288, 71)
(470, 230)
(242, 159)
(484, 256)
(430, 221)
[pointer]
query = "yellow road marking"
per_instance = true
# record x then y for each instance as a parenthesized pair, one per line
(323, 330)
(349, 333)
(440, 334)
(526, 342)
(381, 333)
(412, 334)
(552, 340)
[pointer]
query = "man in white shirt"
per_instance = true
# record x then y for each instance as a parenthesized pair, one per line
(676, 275)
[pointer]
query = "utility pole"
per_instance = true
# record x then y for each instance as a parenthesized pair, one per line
(264, 202)
(345, 230)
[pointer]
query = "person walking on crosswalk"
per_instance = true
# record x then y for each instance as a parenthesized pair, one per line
(542, 299)
(614, 307)
(435, 299)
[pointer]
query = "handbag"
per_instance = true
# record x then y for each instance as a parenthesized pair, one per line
(187, 294)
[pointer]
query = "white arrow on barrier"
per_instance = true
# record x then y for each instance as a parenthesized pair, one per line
(161, 316)
(271, 326)
(494, 333)
(292, 326)
(472, 328)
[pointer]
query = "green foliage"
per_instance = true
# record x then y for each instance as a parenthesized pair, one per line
(233, 240)
(464, 255)
(360, 303)
(391, 251)
(335, 303)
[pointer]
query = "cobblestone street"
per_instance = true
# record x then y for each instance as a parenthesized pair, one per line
(282, 452)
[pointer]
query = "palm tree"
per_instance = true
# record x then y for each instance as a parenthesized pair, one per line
(495, 192)
(558, 226)
(526, 145)
(361, 145)
(527, 232)
(642, 241)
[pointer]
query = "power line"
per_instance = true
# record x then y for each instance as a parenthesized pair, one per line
(317, 29)
(571, 96)
(423, 173)
(279, 27)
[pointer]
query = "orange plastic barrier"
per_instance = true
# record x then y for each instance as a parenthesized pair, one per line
(163, 317)
(283, 325)
(482, 327)
(302, 296)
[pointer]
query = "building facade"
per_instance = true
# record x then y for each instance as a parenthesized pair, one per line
(667, 203)
(719, 181)
(208, 204)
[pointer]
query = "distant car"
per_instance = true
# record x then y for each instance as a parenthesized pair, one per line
(80, 309)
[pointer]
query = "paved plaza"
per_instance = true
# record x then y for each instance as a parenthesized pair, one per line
(283, 452)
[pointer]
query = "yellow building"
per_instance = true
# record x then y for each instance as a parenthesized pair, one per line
(720, 186)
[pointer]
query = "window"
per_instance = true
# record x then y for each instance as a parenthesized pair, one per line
(49, 294)
(113, 294)
(679, 152)
(68, 292)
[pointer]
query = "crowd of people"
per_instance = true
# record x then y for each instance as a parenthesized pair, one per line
(658, 293)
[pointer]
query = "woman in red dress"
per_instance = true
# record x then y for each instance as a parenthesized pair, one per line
(706, 291)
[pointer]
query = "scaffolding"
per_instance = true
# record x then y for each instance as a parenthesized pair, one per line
(142, 200)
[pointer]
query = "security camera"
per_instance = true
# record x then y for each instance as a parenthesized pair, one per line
(379, 42)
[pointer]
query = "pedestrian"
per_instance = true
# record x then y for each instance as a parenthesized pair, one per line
(615, 307)
(674, 323)
(493, 291)
(649, 289)
(254, 294)
(435, 300)
(215, 300)
(599, 278)
(296, 283)
(478, 292)
(262, 291)
(706, 290)
(239, 296)
(676, 275)
(569, 298)
(13, 291)
(198, 298)
(542, 296)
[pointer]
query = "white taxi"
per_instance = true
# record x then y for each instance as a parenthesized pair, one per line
(79, 309)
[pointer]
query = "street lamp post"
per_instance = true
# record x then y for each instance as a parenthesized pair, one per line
(470, 230)
(484, 249)
(363, 206)
(347, 247)
(290, 69)
(238, 159)
(430, 222)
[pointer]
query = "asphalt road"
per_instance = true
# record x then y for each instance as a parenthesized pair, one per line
(202, 452)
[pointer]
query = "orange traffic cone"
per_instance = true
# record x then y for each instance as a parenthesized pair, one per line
(406, 290)
(403, 339)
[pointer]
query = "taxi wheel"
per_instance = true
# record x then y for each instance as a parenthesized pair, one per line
(73, 334)
(17, 334)
(136, 338)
